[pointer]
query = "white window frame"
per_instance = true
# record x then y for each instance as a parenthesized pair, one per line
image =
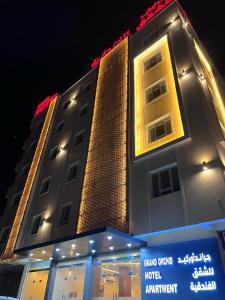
(148, 128)
(163, 79)
(150, 57)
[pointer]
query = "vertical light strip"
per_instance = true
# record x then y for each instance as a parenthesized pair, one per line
(103, 199)
(9, 250)
(167, 105)
(213, 87)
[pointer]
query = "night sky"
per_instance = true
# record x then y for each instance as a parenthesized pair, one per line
(46, 46)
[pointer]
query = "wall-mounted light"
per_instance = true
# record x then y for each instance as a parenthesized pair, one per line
(57, 249)
(31, 254)
(93, 251)
(44, 221)
(183, 72)
(77, 254)
(204, 166)
(109, 237)
(201, 76)
(43, 252)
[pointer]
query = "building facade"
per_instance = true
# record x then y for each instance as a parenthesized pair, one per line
(120, 191)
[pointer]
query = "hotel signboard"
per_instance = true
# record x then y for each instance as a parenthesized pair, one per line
(189, 270)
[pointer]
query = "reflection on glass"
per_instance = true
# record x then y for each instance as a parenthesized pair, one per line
(116, 279)
(69, 282)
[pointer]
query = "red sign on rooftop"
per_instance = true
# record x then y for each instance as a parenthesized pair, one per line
(45, 103)
(150, 13)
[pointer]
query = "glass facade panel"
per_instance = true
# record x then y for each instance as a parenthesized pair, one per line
(69, 282)
(117, 279)
(35, 285)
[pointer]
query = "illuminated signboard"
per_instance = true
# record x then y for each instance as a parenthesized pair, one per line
(44, 104)
(150, 13)
(187, 271)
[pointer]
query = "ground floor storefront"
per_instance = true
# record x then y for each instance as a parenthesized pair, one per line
(127, 269)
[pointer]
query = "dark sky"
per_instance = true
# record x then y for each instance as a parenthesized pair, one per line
(47, 45)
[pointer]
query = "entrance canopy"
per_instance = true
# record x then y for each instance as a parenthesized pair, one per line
(96, 242)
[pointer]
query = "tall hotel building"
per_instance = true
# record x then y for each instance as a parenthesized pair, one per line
(120, 194)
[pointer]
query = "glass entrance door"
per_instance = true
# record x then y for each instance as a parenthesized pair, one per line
(35, 285)
(69, 282)
(117, 279)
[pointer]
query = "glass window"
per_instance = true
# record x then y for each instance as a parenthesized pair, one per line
(54, 152)
(152, 61)
(117, 279)
(36, 224)
(155, 91)
(69, 282)
(59, 127)
(15, 200)
(165, 181)
(83, 111)
(65, 214)
(78, 139)
(35, 285)
(72, 172)
(159, 130)
(4, 235)
(45, 186)
(25, 170)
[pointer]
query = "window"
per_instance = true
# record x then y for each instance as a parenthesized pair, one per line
(72, 172)
(87, 88)
(54, 152)
(78, 139)
(83, 111)
(36, 224)
(4, 235)
(59, 127)
(165, 181)
(25, 170)
(32, 146)
(152, 61)
(159, 130)
(155, 91)
(15, 200)
(65, 214)
(45, 186)
(66, 104)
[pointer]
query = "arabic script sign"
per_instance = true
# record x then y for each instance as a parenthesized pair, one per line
(44, 104)
(187, 271)
(150, 13)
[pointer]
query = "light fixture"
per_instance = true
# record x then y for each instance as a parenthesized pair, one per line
(31, 254)
(50, 258)
(201, 76)
(63, 256)
(129, 245)
(173, 20)
(91, 242)
(204, 166)
(109, 237)
(61, 148)
(77, 254)
(57, 249)
(111, 248)
(43, 251)
(73, 246)
(183, 72)
(93, 250)
(44, 221)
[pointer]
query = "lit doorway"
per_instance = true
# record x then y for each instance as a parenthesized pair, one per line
(35, 285)
(117, 279)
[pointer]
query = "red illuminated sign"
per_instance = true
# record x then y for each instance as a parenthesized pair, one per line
(121, 38)
(152, 11)
(45, 104)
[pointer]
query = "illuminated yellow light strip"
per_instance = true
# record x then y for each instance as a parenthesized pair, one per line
(110, 173)
(219, 100)
(9, 250)
(147, 114)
